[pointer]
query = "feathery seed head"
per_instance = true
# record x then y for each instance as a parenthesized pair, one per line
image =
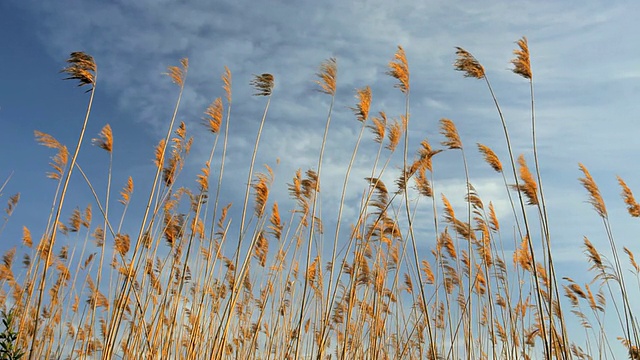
(105, 139)
(261, 187)
(595, 199)
(468, 64)
(177, 73)
(393, 134)
(126, 192)
(379, 127)
(263, 84)
(399, 69)
(276, 224)
(226, 80)
(364, 103)
(522, 255)
(422, 183)
(47, 140)
(203, 179)
(449, 130)
(522, 63)
(529, 187)
(81, 67)
(429, 278)
(490, 157)
(159, 153)
(632, 206)
(327, 75)
(213, 116)
(60, 159)
(122, 244)
(493, 218)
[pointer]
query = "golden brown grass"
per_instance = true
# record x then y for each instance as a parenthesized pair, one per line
(282, 287)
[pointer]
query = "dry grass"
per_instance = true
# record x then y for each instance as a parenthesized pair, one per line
(282, 288)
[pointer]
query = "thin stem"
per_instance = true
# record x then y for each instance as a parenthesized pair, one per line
(312, 228)
(524, 216)
(118, 312)
(54, 230)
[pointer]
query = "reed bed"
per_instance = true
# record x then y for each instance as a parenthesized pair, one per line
(192, 282)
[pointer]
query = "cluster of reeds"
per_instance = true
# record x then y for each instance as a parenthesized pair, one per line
(286, 287)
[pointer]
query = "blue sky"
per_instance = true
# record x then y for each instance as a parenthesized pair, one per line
(584, 58)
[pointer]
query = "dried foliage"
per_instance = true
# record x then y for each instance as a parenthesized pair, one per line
(327, 76)
(81, 67)
(192, 282)
(528, 187)
(595, 198)
(364, 103)
(450, 132)
(468, 64)
(399, 69)
(105, 139)
(213, 116)
(522, 63)
(263, 84)
(632, 206)
(490, 157)
(179, 73)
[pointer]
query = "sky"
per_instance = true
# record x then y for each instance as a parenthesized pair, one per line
(584, 60)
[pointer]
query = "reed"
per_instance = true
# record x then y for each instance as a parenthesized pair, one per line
(184, 286)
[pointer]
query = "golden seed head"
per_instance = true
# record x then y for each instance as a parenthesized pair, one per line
(213, 116)
(177, 73)
(632, 206)
(126, 192)
(379, 127)
(364, 103)
(529, 186)
(522, 63)
(468, 64)
(81, 67)
(595, 198)
(449, 130)
(327, 76)
(490, 157)
(399, 69)
(394, 132)
(226, 80)
(105, 139)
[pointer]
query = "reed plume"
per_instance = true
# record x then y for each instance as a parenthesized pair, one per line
(364, 103)
(379, 126)
(213, 116)
(399, 69)
(81, 67)
(179, 73)
(595, 198)
(105, 139)
(490, 157)
(468, 64)
(263, 84)
(632, 206)
(529, 186)
(522, 63)
(327, 76)
(394, 134)
(450, 132)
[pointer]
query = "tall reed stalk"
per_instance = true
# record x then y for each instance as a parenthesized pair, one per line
(83, 68)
